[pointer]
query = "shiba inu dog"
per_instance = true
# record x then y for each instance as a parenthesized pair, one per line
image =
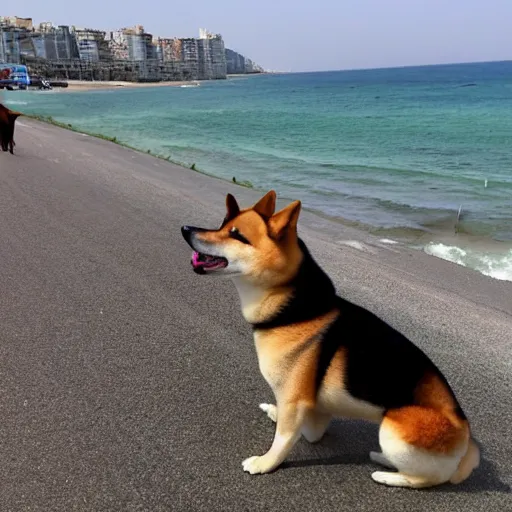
(325, 357)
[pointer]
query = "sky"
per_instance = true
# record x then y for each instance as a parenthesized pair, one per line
(290, 35)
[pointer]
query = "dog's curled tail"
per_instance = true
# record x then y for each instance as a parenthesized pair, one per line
(468, 463)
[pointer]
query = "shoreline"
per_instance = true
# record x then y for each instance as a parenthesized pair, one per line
(92, 85)
(443, 245)
(87, 86)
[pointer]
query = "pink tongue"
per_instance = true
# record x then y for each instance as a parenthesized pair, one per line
(210, 262)
(195, 260)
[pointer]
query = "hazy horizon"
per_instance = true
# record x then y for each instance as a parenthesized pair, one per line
(326, 36)
(376, 68)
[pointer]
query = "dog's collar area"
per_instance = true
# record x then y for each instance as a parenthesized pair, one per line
(294, 312)
(313, 295)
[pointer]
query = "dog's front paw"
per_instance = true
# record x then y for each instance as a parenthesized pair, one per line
(256, 465)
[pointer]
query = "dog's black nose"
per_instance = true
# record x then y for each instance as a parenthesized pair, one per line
(186, 231)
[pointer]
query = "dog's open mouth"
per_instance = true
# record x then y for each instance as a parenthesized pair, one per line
(203, 262)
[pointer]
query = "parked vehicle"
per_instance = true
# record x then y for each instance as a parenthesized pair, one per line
(14, 76)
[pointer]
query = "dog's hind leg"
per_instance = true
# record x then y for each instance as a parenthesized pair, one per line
(315, 426)
(424, 444)
(270, 410)
(379, 458)
(399, 480)
(10, 138)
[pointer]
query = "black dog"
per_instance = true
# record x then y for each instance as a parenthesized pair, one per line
(7, 120)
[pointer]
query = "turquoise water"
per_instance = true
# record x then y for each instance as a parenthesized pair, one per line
(395, 151)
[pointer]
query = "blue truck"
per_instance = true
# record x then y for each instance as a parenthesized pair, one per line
(14, 76)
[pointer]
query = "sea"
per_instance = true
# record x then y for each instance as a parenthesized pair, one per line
(417, 155)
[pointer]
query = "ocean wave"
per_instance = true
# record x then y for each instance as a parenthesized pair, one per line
(428, 174)
(15, 102)
(497, 266)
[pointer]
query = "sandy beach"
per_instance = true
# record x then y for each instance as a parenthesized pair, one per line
(130, 383)
(85, 85)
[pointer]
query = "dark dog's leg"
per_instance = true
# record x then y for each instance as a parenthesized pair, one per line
(10, 137)
(3, 136)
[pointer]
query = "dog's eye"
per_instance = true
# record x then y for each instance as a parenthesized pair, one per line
(234, 233)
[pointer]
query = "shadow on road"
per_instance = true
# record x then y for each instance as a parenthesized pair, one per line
(352, 442)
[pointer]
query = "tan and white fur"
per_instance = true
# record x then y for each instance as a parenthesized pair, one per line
(324, 357)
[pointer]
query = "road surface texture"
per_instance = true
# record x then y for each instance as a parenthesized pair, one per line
(127, 382)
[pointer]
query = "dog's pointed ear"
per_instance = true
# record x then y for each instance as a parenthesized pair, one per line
(232, 208)
(285, 221)
(266, 206)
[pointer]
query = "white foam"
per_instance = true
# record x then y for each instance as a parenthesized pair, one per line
(354, 244)
(14, 102)
(388, 241)
(447, 252)
(497, 266)
(357, 245)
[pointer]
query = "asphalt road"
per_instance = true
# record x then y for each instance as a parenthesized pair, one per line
(129, 383)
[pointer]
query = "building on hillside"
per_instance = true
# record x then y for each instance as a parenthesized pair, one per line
(204, 59)
(15, 38)
(189, 58)
(194, 59)
(92, 45)
(235, 62)
(39, 45)
(17, 22)
(157, 49)
(169, 53)
(3, 48)
(48, 42)
(132, 44)
(251, 67)
(59, 42)
(66, 43)
(129, 52)
(212, 54)
(14, 42)
(45, 27)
